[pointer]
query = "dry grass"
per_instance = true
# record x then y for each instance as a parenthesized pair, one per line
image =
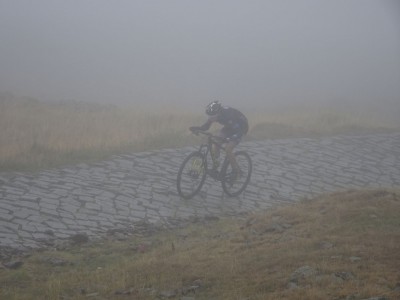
(34, 134)
(38, 135)
(351, 241)
(319, 121)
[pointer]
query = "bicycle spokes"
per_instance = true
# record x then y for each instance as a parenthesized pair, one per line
(235, 181)
(233, 176)
(197, 168)
(191, 175)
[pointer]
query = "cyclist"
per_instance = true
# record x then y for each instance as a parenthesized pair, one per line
(235, 126)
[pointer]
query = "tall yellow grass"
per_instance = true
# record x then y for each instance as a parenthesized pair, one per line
(314, 121)
(35, 134)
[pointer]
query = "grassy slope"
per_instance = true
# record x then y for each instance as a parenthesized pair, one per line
(36, 135)
(350, 240)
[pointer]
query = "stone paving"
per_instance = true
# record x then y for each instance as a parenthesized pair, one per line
(136, 188)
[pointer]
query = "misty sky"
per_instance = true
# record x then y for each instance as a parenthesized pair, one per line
(190, 52)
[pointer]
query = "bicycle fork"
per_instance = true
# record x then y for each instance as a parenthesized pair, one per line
(197, 168)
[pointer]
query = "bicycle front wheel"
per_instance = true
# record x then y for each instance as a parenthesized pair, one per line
(235, 182)
(191, 175)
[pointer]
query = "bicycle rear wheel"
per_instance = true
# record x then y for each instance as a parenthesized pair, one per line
(234, 183)
(191, 175)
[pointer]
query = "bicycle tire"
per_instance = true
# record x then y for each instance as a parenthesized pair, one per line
(183, 180)
(227, 185)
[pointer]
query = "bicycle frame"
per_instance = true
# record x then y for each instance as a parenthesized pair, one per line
(206, 148)
(191, 179)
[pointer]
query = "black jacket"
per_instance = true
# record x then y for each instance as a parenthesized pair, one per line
(232, 119)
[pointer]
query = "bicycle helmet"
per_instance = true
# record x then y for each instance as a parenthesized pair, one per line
(213, 108)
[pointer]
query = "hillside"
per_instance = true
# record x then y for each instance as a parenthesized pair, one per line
(339, 246)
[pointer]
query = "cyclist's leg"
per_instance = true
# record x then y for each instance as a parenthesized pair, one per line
(234, 141)
(229, 152)
(223, 133)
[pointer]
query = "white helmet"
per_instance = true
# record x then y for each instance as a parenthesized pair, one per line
(213, 108)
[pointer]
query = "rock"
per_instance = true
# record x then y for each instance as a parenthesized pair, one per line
(92, 295)
(291, 285)
(326, 245)
(190, 289)
(125, 292)
(198, 282)
(377, 298)
(13, 264)
(168, 294)
(301, 273)
(355, 258)
(120, 237)
(151, 291)
(336, 279)
(55, 262)
(62, 244)
(79, 238)
(275, 227)
(344, 275)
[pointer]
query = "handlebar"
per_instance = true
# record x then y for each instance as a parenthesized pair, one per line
(215, 138)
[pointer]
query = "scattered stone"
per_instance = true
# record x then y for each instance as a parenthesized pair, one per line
(344, 275)
(355, 258)
(168, 294)
(125, 292)
(13, 264)
(79, 238)
(92, 295)
(292, 285)
(275, 227)
(198, 282)
(7, 253)
(150, 291)
(61, 245)
(397, 287)
(326, 245)
(190, 289)
(377, 298)
(55, 262)
(120, 237)
(302, 273)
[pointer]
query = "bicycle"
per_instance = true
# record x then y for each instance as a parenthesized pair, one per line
(194, 169)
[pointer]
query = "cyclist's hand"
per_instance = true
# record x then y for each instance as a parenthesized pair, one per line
(195, 129)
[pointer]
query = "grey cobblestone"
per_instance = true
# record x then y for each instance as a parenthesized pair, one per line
(131, 188)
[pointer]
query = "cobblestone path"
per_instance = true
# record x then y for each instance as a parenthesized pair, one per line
(129, 189)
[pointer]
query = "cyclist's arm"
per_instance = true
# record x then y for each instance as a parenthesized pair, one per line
(207, 124)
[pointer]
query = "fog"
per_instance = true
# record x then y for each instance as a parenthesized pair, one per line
(258, 54)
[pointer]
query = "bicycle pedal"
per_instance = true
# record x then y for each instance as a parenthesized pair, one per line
(213, 173)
